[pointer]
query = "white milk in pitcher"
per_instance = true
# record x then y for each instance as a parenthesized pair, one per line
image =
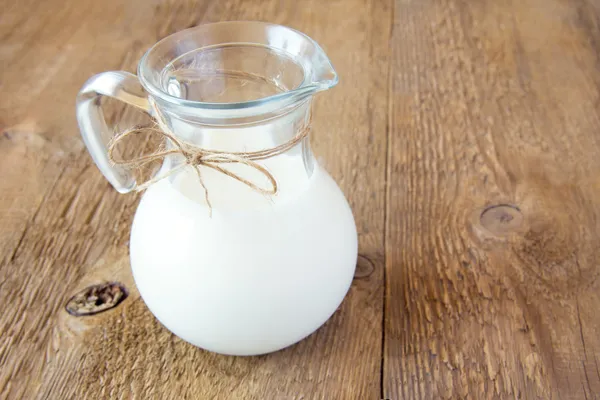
(261, 273)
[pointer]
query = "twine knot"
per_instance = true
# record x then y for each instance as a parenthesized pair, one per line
(194, 159)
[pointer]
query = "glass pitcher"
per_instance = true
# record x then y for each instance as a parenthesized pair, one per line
(220, 263)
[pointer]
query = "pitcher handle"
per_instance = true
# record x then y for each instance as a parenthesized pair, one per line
(96, 135)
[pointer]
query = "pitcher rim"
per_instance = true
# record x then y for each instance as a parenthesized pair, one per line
(306, 88)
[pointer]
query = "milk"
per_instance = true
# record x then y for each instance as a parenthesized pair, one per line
(258, 275)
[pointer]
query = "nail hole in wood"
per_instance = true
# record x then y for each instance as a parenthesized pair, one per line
(501, 219)
(364, 267)
(96, 299)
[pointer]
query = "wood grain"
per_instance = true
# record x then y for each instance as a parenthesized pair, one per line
(464, 134)
(492, 252)
(64, 228)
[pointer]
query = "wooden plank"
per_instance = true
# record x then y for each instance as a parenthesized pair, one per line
(62, 227)
(494, 103)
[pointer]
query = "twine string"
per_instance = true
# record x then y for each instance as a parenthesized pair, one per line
(197, 157)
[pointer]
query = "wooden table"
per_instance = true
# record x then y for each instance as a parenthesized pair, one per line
(465, 135)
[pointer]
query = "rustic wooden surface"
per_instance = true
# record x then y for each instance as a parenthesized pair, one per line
(465, 135)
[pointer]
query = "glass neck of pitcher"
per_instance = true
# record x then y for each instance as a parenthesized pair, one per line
(235, 136)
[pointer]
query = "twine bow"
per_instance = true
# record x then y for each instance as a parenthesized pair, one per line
(197, 157)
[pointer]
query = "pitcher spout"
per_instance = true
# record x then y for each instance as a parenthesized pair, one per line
(324, 75)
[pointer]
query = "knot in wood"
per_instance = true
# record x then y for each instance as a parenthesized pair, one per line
(501, 219)
(96, 299)
(364, 267)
